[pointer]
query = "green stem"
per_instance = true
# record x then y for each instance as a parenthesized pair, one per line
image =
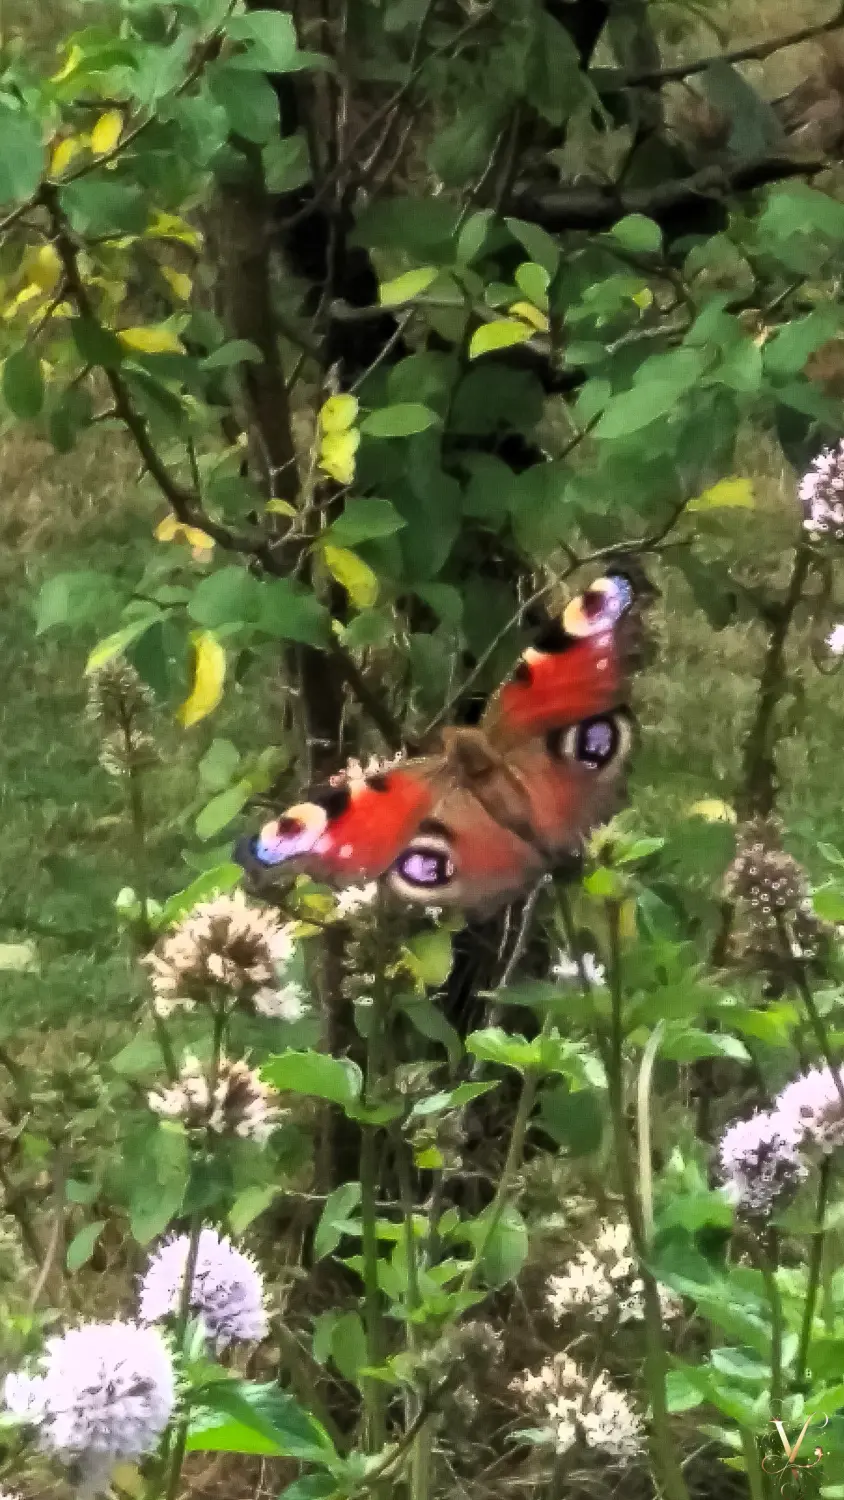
(646, 1186)
(662, 1444)
(755, 1480)
(420, 1467)
(769, 1261)
(816, 1255)
(820, 1032)
(374, 1404)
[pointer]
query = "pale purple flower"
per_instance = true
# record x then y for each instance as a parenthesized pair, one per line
(835, 640)
(105, 1394)
(227, 1290)
(759, 1161)
(821, 493)
(588, 969)
(810, 1111)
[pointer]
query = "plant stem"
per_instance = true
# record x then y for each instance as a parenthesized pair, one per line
(374, 1405)
(420, 1468)
(820, 1032)
(759, 771)
(814, 1271)
(665, 1459)
(755, 1481)
(646, 1186)
(769, 1262)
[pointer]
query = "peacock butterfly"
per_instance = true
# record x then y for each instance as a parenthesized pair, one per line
(498, 805)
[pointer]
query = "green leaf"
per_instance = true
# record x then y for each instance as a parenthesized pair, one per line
(248, 99)
(496, 1045)
(334, 1220)
(432, 956)
(97, 205)
(681, 1393)
(502, 334)
(574, 1120)
(21, 156)
(532, 279)
(239, 1417)
(250, 1204)
(429, 1021)
(364, 518)
(829, 904)
(292, 613)
(223, 809)
(637, 408)
(399, 421)
(96, 345)
(473, 236)
(270, 37)
(315, 1073)
(638, 234)
(348, 1346)
(115, 645)
(210, 883)
(81, 1247)
(23, 384)
(287, 164)
(352, 573)
(219, 765)
(233, 352)
(506, 1249)
(158, 1196)
(404, 288)
(229, 596)
(691, 1043)
(72, 599)
(539, 244)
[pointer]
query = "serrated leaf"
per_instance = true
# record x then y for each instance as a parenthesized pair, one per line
(249, 1205)
(356, 576)
(209, 675)
(334, 1219)
(502, 334)
(404, 288)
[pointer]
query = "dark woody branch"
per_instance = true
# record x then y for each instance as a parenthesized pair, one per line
(600, 207)
(755, 52)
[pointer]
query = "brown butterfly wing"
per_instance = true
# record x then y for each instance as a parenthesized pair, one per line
(463, 856)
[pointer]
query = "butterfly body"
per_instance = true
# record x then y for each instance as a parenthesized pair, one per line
(476, 822)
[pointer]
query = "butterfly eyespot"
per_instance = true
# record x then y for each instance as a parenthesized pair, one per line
(598, 607)
(594, 743)
(295, 832)
(425, 865)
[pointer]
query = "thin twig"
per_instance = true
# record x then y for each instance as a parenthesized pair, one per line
(754, 52)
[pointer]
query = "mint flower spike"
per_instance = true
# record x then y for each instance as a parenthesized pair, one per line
(759, 1161)
(821, 494)
(104, 1394)
(227, 1290)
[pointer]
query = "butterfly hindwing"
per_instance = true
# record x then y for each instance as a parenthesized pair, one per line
(462, 856)
(577, 670)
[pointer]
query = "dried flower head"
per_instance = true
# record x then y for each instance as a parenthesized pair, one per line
(576, 1406)
(116, 695)
(105, 1393)
(604, 1280)
(759, 1162)
(770, 883)
(227, 1290)
(821, 494)
(810, 1111)
(224, 949)
(128, 752)
(236, 1103)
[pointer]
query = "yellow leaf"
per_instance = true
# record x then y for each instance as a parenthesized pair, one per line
(404, 288)
(727, 493)
(128, 1479)
(64, 152)
(337, 455)
(44, 267)
(151, 340)
(171, 530)
(533, 315)
(338, 413)
(178, 282)
(107, 132)
(712, 810)
(643, 299)
(209, 675)
(627, 920)
(356, 576)
(170, 227)
(71, 63)
(27, 294)
(280, 508)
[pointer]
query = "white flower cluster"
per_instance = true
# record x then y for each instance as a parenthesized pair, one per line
(104, 1394)
(603, 1280)
(225, 948)
(821, 494)
(353, 899)
(227, 1290)
(238, 1103)
(763, 1157)
(566, 969)
(575, 1407)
